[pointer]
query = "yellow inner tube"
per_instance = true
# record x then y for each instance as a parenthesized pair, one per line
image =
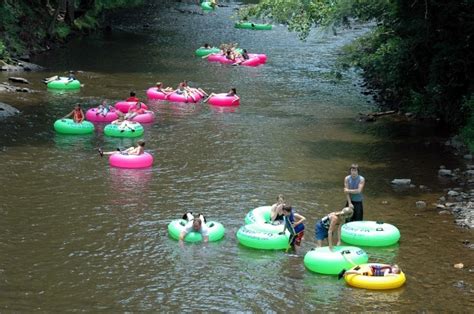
(391, 281)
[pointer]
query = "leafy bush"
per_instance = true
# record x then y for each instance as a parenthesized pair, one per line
(467, 131)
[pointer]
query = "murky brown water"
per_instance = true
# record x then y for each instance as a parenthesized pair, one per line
(76, 234)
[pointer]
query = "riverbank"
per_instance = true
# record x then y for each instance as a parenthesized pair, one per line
(459, 199)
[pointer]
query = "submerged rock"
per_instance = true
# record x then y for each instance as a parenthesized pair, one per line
(7, 110)
(401, 181)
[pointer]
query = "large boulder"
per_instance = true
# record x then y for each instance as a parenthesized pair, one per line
(7, 110)
(20, 66)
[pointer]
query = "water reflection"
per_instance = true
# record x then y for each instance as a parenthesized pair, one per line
(63, 92)
(129, 185)
(220, 109)
(69, 142)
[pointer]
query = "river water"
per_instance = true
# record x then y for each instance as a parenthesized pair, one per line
(78, 235)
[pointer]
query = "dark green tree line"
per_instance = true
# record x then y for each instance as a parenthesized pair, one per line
(27, 25)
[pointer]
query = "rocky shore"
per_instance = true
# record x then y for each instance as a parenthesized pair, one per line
(457, 200)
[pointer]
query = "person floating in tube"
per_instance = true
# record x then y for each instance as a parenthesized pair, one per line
(373, 270)
(138, 150)
(77, 114)
(231, 93)
(194, 224)
(71, 77)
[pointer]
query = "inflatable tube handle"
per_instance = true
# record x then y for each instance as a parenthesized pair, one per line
(379, 222)
(379, 229)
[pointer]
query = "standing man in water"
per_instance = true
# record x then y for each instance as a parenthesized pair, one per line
(353, 186)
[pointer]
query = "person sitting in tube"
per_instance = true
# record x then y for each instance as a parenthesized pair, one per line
(194, 89)
(276, 213)
(123, 123)
(77, 114)
(241, 57)
(196, 225)
(103, 109)
(71, 77)
(138, 150)
(135, 110)
(231, 93)
(374, 270)
(132, 97)
(181, 90)
(161, 89)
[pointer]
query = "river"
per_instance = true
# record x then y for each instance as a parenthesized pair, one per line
(77, 235)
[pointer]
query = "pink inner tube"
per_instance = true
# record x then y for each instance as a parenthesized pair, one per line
(146, 117)
(223, 100)
(118, 160)
(124, 106)
(255, 59)
(219, 58)
(153, 93)
(92, 115)
(261, 56)
(175, 97)
(252, 62)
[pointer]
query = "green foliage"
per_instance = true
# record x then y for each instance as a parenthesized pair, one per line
(62, 31)
(3, 51)
(467, 131)
(299, 15)
(419, 56)
(86, 22)
(25, 25)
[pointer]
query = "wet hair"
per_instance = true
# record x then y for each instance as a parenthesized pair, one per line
(197, 222)
(346, 212)
(159, 83)
(132, 93)
(141, 143)
(287, 208)
(396, 269)
(206, 45)
(354, 166)
(234, 90)
(280, 198)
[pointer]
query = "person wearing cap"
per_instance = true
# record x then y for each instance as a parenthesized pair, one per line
(353, 186)
(331, 223)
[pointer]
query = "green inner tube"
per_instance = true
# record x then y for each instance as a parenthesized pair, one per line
(201, 52)
(260, 215)
(113, 130)
(68, 126)
(369, 233)
(207, 6)
(216, 231)
(249, 25)
(259, 233)
(322, 260)
(64, 83)
(263, 236)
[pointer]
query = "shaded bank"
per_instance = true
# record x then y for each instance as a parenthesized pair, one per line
(29, 27)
